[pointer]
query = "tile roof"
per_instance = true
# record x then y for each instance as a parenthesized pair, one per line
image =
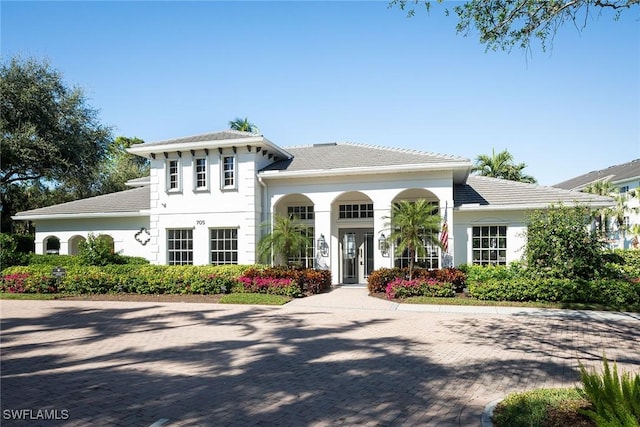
(487, 192)
(228, 134)
(134, 200)
(615, 173)
(351, 155)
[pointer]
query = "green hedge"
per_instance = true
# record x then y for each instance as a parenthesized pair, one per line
(602, 291)
(158, 279)
(380, 278)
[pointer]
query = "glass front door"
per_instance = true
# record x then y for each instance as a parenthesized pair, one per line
(357, 255)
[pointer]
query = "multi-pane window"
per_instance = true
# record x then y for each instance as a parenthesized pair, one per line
(305, 258)
(180, 246)
(201, 173)
(300, 212)
(224, 246)
(430, 260)
(355, 210)
(228, 178)
(489, 244)
(173, 175)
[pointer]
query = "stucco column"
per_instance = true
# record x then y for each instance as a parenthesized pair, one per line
(380, 259)
(322, 229)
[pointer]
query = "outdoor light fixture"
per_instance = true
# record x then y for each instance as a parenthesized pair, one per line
(323, 247)
(383, 245)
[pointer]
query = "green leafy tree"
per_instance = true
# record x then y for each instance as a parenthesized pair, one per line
(503, 24)
(243, 125)
(561, 243)
(287, 238)
(120, 166)
(49, 136)
(98, 250)
(501, 165)
(412, 226)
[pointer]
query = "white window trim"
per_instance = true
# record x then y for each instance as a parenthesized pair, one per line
(224, 187)
(178, 189)
(206, 174)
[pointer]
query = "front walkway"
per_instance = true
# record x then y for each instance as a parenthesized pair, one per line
(339, 358)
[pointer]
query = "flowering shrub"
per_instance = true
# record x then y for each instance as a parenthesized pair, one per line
(310, 281)
(380, 278)
(18, 283)
(401, 288)
(270, 285)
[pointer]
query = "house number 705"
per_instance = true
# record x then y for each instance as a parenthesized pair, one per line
(200, 222)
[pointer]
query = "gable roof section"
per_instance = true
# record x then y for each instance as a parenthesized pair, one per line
(344, 158)
(134, 202)
(481, 192)
(617, 173)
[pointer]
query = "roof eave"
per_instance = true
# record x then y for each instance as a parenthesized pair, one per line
(147, 149)
(35, 217)
(271, 174)
(528, 206)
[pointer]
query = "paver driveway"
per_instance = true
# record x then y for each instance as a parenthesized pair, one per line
(320, 361)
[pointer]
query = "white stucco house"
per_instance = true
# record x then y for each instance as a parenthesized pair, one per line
(208, 196)
(625, 179)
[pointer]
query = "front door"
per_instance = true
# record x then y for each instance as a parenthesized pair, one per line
(356, 248)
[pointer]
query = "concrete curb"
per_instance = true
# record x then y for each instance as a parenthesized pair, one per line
(485, 421)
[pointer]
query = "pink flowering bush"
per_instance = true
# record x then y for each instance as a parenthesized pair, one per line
(270, 285)
(402, 288)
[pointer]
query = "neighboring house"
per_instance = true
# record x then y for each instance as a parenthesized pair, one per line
(208, 196)
(625, 178)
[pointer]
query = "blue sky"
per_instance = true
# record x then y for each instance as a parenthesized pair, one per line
(312, 72)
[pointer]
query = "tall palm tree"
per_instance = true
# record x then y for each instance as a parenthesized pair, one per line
(287, 238)
(500, 165)
(413, 225)
(243, 125)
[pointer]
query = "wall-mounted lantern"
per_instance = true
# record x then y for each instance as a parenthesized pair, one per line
(323, 247)
(383, 245)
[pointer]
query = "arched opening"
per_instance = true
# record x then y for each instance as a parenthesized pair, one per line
(108, 239)
(301, 208)
(74, 244)
(51, 245)
(431, 257)
(353, 212)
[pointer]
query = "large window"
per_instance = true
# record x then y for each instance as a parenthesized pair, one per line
(180, 246)
(224, 246)
(490, 245)
(200, 165)
(173, 175)
(301, 212)
(228, 170)
(355, 210)
(431, 260)
(306, 257)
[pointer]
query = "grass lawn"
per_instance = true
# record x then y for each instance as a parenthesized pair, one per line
(261, 299)
(542, 407)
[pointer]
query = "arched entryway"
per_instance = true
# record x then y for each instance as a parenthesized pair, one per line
(353, 213)
(51, 245)
(301, 208)
(432, 256)
(74, 244)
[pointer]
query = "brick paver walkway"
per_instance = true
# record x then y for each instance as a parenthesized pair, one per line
(305, 364)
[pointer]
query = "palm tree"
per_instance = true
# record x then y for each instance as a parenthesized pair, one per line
(602, 216)
(243, 125)
(501, 165)
(413, 225)
(287, 238)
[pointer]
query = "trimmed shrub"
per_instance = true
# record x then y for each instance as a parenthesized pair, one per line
(379, 279)
(19, 283)
(9, 253)
(310, 281)
(270, 285)
(401, 288)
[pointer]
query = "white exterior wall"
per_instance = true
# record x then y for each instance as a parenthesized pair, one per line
(122, 230)
(202, 210)
(466, 220)
(624, 239)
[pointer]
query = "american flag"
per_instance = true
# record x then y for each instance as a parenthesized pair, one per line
(444, 235)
